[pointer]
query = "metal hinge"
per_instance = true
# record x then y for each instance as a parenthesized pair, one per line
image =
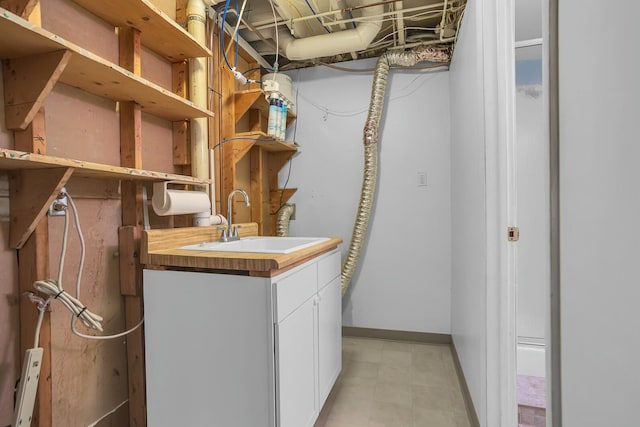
(514, 234)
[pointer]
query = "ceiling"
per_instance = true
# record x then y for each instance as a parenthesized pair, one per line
(339, 30)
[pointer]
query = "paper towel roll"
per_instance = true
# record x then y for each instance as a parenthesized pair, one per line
(179, 202)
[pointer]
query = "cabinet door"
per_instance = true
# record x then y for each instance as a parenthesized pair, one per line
(329, 338)
(295, 372)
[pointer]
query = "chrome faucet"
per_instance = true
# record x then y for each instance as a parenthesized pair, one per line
(230, 233)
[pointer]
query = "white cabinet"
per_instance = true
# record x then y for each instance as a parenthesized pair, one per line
(329, 337)
(295, 367)
(240, 351)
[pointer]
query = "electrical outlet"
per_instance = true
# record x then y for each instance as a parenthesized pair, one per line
(59, 205)
(26, 397)
(422, 179)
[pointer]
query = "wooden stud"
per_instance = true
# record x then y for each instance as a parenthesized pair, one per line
(129, 248)
(33, 264)
(181, 150)
(32, 191)
(129, 44)
(33, 138)
(130, 135)
(181, 136)
(257, 121)
(27, 82)
(257, 188)
(132, 218)
(22, 8)
(179, 74)
(181, 13)
(136, 362)
(215, 126)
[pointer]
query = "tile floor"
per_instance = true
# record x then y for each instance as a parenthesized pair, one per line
(532, 401)
(395, 384)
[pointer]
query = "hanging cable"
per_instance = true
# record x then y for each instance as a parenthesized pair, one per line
(237, 74)
(314, 12)
(275, 21)
(55, 290)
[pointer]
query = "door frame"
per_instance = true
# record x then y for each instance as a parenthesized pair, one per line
(501, 299)
(499, 85)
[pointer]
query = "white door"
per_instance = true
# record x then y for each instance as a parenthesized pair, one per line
(329, 337)
(295, 367)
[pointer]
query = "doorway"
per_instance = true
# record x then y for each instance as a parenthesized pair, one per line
(532, 205)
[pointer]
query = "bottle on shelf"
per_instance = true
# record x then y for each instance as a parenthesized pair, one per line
(272, 123)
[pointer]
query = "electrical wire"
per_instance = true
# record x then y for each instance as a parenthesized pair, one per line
(407, 91)
(314, 12)
(235, 31)
(55, 290)
(284, 188)
(113, 411)
(36, 340)
(275, 21)
(224, 19)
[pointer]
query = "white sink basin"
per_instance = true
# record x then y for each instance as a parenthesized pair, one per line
(260, 244)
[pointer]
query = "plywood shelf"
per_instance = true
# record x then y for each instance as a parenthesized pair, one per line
(20, 160)
(266, 142)
(158, 31)
(253, 99)
(21, 42)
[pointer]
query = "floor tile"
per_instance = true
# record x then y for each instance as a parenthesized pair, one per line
(350, 411)
(390, 415)
(396, 358)
(387, 392)
(395, 384)
(361, 370)
(396, 374)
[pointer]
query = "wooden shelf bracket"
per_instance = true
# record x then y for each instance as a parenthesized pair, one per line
(32, 191)
(27, 83)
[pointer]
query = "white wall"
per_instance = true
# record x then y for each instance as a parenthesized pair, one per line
(600, 209)
(469, 221)
(403, 282)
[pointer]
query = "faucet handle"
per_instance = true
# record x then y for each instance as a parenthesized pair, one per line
(234, 231)
(223, 234)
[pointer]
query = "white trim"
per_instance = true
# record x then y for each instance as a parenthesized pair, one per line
(499, 84)
(528, 43)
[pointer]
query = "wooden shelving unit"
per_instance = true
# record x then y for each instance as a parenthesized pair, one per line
(37, 179)
(253, 99)
(266, 157)
(35, 60)
(158, 32)
(20, 160)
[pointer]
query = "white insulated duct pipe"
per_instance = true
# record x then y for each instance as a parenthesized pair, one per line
(352, 40)
(370, 140)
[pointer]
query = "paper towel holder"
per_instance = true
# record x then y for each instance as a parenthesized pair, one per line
(160, 199)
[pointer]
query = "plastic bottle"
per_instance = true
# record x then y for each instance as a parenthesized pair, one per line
(283, 127)
(278, 118)
(273, 116)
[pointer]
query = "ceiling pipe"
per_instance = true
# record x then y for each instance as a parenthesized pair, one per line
(352, 40)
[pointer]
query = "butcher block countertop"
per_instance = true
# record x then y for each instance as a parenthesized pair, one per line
(159, 250)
